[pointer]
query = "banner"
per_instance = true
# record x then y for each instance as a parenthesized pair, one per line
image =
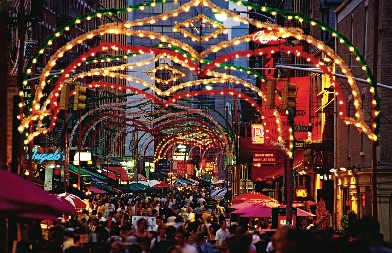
(302, 117)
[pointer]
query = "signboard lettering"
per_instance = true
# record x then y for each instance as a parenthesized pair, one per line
(257, 134)
(264, 158)
(302, 128)
(301, 192)
(267, 37)
(40, 157)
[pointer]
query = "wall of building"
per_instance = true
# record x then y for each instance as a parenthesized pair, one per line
(355, 20)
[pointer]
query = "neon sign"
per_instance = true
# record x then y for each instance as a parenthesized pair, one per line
(267, 37)
(40, 157)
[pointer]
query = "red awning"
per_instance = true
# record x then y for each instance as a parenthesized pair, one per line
(298, 159)
(116, 173)
(264, 172)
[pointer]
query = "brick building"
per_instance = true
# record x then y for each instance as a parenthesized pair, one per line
(354, 149)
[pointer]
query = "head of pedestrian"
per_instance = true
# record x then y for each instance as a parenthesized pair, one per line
(223, 225)
(285, 239)
(180, 238)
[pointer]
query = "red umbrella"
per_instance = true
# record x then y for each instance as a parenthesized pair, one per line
(75, 201)
(162, 186)
(253, 197)
(260, 212)
(21, 198)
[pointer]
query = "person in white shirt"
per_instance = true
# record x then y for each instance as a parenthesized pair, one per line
(222, 233)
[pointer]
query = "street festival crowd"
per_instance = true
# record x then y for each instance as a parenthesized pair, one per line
(186, 221)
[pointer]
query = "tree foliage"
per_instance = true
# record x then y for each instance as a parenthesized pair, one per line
(348, 222)
(322, 215)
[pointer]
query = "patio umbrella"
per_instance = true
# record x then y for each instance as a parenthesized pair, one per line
(253, 197)
(21, 198)
(246, 209)
(73, 200)
(162, 185)
(241, 205)
(96, 190)
(258, 212)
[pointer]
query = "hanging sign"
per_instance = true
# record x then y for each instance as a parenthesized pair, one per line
(257, 134)
(48, 183)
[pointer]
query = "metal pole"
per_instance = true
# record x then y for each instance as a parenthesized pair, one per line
(237, 166)
(79, 147)
(374, 143)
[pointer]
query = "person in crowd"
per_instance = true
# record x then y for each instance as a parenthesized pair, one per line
(261, 245)
(163, 245)
(369, 237)
(215, 224)
(134, 248)
(288, 240)
(141, 230)
(146, 244)
(225, 246)
(174, 249)
(117, 247)
(204, 230)
(193, 226)
(201, 245)
(161, 235)
(180, 241)
(222, 233)
(69, 241)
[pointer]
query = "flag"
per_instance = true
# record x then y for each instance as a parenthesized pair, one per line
(28, 53)
(16, 4)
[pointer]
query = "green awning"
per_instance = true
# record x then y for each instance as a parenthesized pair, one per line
(83, 171)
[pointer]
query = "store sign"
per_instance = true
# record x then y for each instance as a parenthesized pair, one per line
(48, 183)
(301, 193)
(267, 37)
(264, 158)
(43, 157)
(257, 134)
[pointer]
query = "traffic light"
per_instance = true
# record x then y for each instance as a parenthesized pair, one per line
(80, 98)
(289, 95)
(64, 98)
(271, 86)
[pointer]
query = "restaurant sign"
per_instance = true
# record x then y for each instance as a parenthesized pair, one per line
(264, 158)
(267, 37)
(43, 157)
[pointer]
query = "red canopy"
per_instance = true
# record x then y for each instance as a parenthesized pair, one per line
(253, 197)
(95, 190)
(21, 198)
(259, 212)
(162, 185)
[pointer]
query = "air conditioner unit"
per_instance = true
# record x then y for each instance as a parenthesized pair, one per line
(361, 153)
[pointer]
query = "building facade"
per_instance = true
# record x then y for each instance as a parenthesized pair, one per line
(354, 163)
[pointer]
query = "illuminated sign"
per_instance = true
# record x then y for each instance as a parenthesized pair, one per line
(267, 37)
(301, 192)
(43, 157)
(257, 134)
(264, 158)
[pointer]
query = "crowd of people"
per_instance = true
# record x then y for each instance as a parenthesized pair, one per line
(186, 221)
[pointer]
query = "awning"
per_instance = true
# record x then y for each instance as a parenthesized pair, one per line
(116, 173)
(267, 171)
(298, 159)
(83, 171)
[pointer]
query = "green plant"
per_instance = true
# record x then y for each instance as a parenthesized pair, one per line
(348, 222)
